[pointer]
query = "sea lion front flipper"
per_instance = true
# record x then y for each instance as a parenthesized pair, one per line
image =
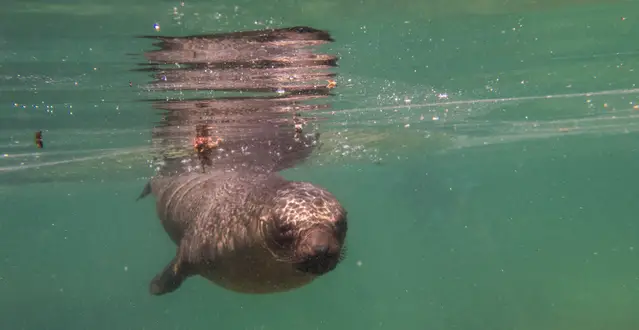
(179, 269)
(168, 280)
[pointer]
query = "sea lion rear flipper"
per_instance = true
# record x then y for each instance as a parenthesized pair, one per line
(170, 278)
(146, 191)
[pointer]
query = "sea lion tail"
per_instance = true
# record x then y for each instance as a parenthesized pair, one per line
(146, 191)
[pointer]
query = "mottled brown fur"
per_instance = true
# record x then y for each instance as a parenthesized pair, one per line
(228, 228)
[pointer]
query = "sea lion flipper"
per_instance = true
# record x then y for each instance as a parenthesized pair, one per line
(180, 268)
(170, 278)
(145, 192)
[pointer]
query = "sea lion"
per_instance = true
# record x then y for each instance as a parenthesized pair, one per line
(247, 232)
(219, 196)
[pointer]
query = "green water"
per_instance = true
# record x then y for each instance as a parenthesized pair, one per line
(508, 204)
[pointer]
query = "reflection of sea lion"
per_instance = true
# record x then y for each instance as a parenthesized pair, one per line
(247, 232)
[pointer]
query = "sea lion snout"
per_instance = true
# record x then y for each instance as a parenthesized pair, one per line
(319, 251)
(308, 226)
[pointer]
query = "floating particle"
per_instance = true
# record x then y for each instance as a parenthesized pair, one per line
(156, 27)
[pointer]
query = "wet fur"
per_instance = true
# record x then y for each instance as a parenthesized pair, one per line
(223, 225)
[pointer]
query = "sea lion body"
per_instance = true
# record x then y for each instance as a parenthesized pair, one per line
(227, 227)
(235, 221)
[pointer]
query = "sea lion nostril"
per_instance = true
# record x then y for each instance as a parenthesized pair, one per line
(318, 263)
(321, 249)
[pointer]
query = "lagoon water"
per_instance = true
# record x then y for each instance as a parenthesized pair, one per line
(486, 151)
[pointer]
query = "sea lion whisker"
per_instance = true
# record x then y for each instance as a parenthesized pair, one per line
(343, 253)
(287, 259)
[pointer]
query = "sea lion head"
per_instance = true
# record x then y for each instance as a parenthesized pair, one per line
(307, 228)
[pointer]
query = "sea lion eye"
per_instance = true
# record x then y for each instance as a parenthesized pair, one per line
(284, 228)
(285, 235)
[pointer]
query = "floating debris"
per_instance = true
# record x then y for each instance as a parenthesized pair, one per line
(38, 140)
